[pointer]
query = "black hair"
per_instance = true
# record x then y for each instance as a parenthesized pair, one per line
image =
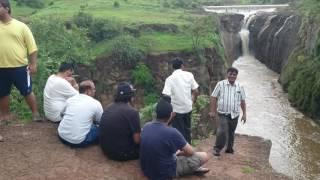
(177, 63)
(6, 4)
(84, 88)
(125, 98)
(66, 66)
(163, 110)
(232, 69)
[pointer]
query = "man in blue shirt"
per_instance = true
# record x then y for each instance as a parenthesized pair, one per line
(164, 152)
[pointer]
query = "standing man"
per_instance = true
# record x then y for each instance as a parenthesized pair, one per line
(82, 113)
(120, 126)
(164, 152)
(226, 100)
(183, 90)
(18, 59)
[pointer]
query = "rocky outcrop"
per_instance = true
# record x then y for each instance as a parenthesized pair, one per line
(33, 151)
(273, 36)
(229, 27)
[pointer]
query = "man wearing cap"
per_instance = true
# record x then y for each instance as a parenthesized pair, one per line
(120, 126)
(164, 152)
(82, 113)
(59, 87)
(183, 90)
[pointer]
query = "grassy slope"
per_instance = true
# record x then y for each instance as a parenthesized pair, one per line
(132, 12)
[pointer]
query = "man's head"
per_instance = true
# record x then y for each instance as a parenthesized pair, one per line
(125, 92)
(232, 74)
(5, 7)
(66, 68)
(87, 87)
(164, 110)
(177, 63)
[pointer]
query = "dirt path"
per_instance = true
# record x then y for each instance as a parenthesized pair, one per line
(33, 152)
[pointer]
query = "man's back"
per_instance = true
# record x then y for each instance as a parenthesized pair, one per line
(179, 86)
(56, 92)
(159, 144)
(118, 124)
(81, 111)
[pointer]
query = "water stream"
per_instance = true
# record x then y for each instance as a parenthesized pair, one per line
(295, 138)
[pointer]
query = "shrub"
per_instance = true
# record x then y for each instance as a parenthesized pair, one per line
(31, 3)
(125, 50)
(142, 76)
(148, 113)
(116, 4)
(151, 98)
(83, 20)
(102, 29)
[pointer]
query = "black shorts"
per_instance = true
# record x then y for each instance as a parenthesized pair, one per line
(19, 77)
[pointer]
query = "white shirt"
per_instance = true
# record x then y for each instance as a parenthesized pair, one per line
(229, 97)
(80, 112)
(178, 86)
(55, 95)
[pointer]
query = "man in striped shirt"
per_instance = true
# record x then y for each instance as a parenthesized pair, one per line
(226, 100)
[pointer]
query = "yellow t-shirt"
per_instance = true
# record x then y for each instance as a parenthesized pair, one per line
(16, 43)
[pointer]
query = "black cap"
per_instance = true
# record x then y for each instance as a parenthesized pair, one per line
(163, 109)
(177, 63)
(125, 88)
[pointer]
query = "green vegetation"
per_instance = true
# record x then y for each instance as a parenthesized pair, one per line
(142, 76)
(201, 103)
(125, 51)
(124, 30)
(247, 170)
(147, 113)
(301, 77)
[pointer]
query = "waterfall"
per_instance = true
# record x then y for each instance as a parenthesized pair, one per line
(244, 35)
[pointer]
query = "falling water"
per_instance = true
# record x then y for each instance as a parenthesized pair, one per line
(295, 138)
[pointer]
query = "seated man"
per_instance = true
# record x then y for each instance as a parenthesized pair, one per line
(164, 152)
(82, 112)
(58, 89)
(120, 126)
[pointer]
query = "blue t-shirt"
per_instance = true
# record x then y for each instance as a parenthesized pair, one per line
(158, 146)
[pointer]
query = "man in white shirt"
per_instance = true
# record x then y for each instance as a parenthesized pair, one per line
(79, 125)
(226, 99)
(183, 90)
(58, 89)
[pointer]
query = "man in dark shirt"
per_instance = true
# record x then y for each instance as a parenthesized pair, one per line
(120, 126)
(164, 152)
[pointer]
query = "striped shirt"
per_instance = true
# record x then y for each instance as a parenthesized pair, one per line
(229, 97)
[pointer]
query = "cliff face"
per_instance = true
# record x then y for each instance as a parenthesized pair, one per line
(289, 44)
(273, 36)
(230, 26)
(107, 73)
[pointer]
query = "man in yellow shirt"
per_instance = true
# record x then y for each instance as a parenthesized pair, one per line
(18, 57)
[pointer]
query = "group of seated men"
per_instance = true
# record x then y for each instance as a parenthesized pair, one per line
(163, 151)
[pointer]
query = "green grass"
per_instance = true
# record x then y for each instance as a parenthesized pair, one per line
(130, 13)
(137, 11)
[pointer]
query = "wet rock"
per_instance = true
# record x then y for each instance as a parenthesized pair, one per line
(273, 36)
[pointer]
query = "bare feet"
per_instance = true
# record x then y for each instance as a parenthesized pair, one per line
(1, 138)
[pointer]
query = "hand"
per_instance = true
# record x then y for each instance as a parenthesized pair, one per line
(32, 68)
(212, 114)
(244, 119)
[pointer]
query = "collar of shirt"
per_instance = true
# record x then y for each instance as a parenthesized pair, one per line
(177, 71)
